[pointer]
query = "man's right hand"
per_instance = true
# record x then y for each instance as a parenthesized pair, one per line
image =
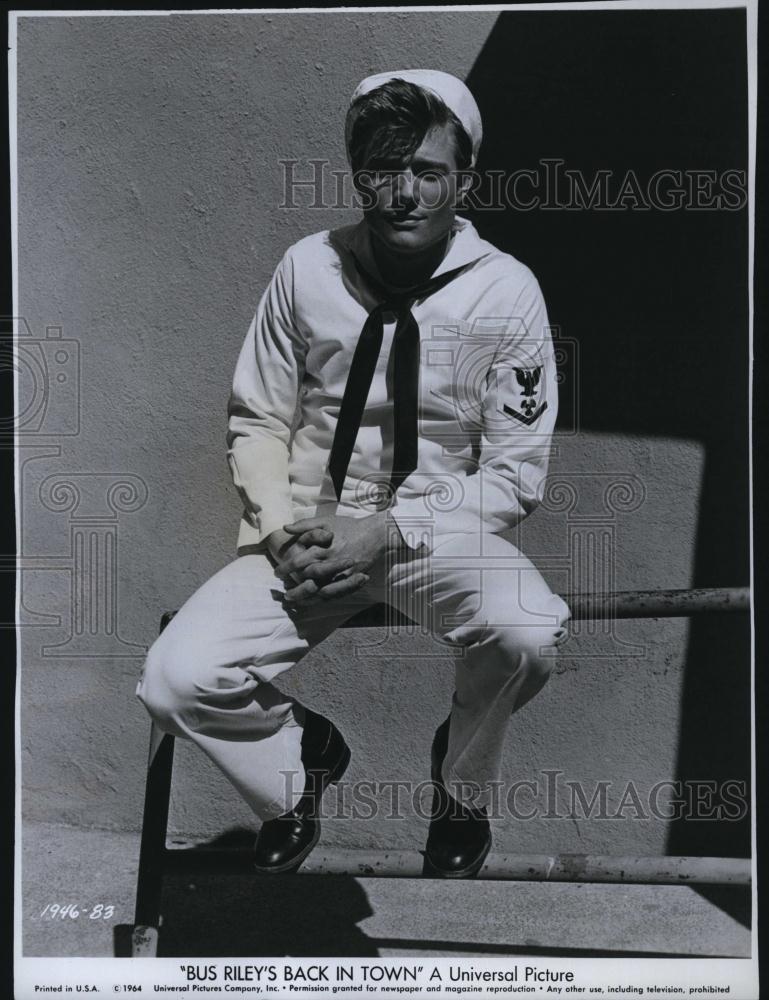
(282, 546)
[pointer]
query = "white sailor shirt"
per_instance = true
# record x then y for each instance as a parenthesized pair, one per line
(487, 403)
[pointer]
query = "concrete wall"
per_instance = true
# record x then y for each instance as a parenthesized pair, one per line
(149, 189)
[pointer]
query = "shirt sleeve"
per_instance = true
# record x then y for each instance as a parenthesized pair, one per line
(517, 407)
(263, 404)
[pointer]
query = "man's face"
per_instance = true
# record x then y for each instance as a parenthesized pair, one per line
(411, 206)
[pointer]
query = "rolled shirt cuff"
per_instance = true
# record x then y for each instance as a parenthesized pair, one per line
(260, 475)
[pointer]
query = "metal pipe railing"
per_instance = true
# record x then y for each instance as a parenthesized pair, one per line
(497, 868)
(606, 606)
(658, 603)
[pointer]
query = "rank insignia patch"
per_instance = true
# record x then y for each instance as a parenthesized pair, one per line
(528, 379)
(528, 386)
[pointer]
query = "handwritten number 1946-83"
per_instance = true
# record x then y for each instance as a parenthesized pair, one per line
(99, 911)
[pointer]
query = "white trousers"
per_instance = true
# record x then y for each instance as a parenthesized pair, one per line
(208, 677)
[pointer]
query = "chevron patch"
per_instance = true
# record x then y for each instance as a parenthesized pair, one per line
(527, 418)
(526, 387)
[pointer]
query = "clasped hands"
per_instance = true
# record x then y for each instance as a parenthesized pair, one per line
(322, 558)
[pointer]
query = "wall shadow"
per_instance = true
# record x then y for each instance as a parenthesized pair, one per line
(657, 300)
(222, 909)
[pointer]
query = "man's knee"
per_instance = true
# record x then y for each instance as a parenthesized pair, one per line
(530, 649)
(171, 678)
(522, 650)
(533, 643)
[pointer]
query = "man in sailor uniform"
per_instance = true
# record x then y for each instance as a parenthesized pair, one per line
(391, 415)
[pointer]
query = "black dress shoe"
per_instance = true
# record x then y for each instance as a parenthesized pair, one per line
(283, 843)
(459, 837)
